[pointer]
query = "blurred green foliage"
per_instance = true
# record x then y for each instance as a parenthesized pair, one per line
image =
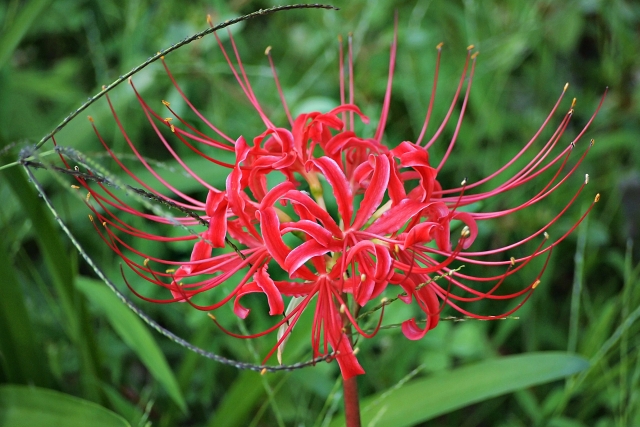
(56, 332)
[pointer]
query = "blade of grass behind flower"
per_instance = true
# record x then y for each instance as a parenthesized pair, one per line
(606, 347)
(19, 27)
(134, 333)
(22, 406)
(235, 408)
(626, 387)
(20, 349)
(426, 398)
(576, 292)
(62, 270)
(124, 407)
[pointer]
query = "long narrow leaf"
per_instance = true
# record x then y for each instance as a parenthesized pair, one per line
(22, 406)
(21, 360)
(427, 398)
(62, 272)
(12, 36)
(134, 333)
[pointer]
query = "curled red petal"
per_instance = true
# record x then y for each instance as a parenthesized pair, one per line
(301, 199)
(421, 233)
(429, 304)
(216, 208)
(248, 288)
(275, 194)
(331, 170)
(375, 192)
(312, 229)
(393, 219)
(270, 228)
(267, 285)
(468, 220)
(303, 253)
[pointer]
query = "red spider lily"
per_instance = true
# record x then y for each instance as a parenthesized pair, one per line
(391, 234)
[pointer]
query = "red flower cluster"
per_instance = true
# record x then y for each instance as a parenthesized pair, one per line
(391, 232)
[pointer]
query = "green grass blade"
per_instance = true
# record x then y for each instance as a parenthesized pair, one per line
(134, 333)
(20, 351)
(235, 408)
(62, 271)
(14, 34)
(426, 398)
(22, 406)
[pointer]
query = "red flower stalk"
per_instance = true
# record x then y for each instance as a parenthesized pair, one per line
(391, 234)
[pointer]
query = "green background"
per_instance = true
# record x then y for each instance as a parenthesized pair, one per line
(61, 329)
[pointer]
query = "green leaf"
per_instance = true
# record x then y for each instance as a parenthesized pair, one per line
(61, 268)
(20, 349)
(134, 333)
(19, 27)
(239, 399)
(427, 398)
(22, 406)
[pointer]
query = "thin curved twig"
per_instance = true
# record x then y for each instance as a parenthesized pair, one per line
(170, 49)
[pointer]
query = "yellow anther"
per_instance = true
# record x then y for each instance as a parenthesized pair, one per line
(470, 47)
(356, 350)
(267, 51)
(263, 371)
(566, 86)
(90, 217)
(211, 316)
(513, 261)
(464, 182)
(592, 142)
(173, 128)
(340, 38)
(535, 284)
(384, 300)
(597, 199)
(104, 87)
(363, 277)
(168, 119)
(343, 330)
(465, 232)
(86, 199)
(170, 270)
(165, 103)
(546, 235)
(104, 223)
(145, 262)
(475, 55)
(439, 45)
(129, 80)
(209, 20)
(573, 103)
(586, 178)
(76, 168)
(162, 57)
(75, 187)
(343, 308)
